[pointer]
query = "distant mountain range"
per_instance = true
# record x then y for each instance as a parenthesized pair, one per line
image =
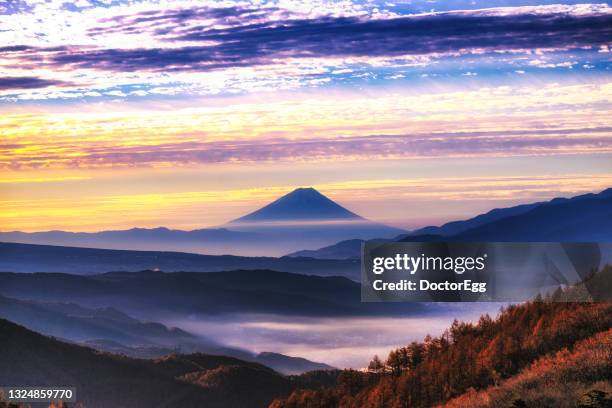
(304, 218)
(49, 258)
(349, 249)
(579, 219)
(114, 299)
(72, 322)
(116, 312)
(584, 218)
(108, 329)
(151, 295)
(108, 380)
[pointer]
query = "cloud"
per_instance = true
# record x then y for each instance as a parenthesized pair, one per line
(162, 21)
(451, 145)
(14, 7)
(29, 180)
(543, 119)
(459, 144)
(246, 37)
(28, 82)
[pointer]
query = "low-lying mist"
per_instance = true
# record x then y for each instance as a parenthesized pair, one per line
(340, 342)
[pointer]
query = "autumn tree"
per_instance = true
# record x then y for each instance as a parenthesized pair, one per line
(376, 366)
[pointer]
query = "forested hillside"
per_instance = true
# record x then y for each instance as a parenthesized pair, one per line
(536, 346)
(573, 377)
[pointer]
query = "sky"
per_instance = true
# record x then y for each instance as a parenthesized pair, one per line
(185, 114)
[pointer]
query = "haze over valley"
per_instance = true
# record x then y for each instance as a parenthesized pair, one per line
(263, 309)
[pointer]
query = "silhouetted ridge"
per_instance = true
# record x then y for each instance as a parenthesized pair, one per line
(456, 228)
(302, 204)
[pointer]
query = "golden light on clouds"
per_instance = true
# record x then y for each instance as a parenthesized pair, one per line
(41, 179)
(488, 121)
(86, 168)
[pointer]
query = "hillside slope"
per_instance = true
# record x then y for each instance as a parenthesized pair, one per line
(77, 323)
(477, 356)
(104, 380)
(579, 375)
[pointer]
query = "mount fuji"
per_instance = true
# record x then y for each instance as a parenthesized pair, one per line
(305, 217)
(302, 204)
(302, 219)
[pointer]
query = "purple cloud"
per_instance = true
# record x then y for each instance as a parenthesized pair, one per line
(425, 145)
(246, 40)
(159, 22)
(28, 82)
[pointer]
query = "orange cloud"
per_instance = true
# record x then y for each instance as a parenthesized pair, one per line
(502, 121)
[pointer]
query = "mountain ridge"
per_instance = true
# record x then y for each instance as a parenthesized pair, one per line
(109, 329)
(456, 227)
(584, 217)
(18, 257)
(156, 295)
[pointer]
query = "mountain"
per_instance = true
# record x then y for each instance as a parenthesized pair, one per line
(159, 296)
(301, 219)
(343, 250)
(108, 329)
(110, 346)
(302, 204)
(289, 365)
(214, 241)
(48, 258)
(305, 218)
(107, 380)
(458, 227)
(76, 323)
(349, 249)
(583, 218)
